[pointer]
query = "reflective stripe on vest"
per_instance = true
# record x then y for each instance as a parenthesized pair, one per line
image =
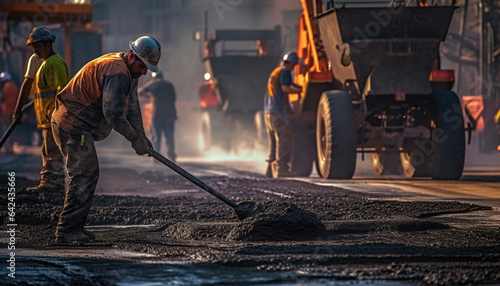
(44, 94)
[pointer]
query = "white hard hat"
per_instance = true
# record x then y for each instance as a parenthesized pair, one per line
(5, 76)
(291, 57)
(148, 50)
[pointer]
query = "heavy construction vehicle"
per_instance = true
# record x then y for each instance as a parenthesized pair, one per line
(237, 65)
(373, 84)
(475, 53)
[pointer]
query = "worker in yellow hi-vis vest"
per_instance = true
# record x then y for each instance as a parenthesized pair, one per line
(50, 79)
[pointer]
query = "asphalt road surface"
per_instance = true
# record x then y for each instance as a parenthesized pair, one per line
(155, 228)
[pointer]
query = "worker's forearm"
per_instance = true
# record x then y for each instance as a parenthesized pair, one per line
(135, 121)
(122, 126)
(115, 115)
(134, 115)
(290, 89)
(24, 93)
(114, 104)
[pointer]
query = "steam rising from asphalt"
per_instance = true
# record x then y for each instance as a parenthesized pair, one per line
(248, 155)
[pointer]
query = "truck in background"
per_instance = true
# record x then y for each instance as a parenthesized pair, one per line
(237, 65)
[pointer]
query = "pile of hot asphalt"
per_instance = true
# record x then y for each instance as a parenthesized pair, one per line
(274, 221)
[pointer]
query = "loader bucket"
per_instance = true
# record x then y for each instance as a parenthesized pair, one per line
(384, 43)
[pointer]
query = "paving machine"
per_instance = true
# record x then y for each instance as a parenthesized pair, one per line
(372, 83)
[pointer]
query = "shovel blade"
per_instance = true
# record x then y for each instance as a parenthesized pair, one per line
(246, 210)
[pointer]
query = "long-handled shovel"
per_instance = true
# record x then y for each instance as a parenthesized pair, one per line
(14, 123)
(243, 210)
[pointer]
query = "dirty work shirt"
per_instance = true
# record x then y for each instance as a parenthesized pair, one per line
(51, 78)
(100, 97)
(275, 101)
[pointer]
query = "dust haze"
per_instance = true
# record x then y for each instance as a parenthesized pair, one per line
(173, 23)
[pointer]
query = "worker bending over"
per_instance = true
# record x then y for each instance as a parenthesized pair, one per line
(102, 96)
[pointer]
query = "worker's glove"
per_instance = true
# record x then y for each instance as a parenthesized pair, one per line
(147, 140)
(140, 145)
(16, 114)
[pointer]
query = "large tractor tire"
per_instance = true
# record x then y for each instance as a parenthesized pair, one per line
(386, 163)
(213, 131)
(335, 136)
(448, 136)
(442, 156)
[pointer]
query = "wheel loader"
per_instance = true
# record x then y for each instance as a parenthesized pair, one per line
(372, 84)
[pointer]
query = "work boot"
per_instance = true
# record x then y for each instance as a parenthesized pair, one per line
(89, 234)
(269, 170)
(76, 237)
(285, 173)
(44, 188)
(274, 169)
(279, 171)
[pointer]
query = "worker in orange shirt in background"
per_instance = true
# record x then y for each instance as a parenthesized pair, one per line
(279, 116)
(101, 97)
(8, 95)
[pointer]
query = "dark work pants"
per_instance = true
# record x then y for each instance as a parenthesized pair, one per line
(280, 133)
(167, 128)
(52, 173)
(83, 171)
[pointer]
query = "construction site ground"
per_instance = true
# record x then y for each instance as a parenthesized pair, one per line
(154, 227)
